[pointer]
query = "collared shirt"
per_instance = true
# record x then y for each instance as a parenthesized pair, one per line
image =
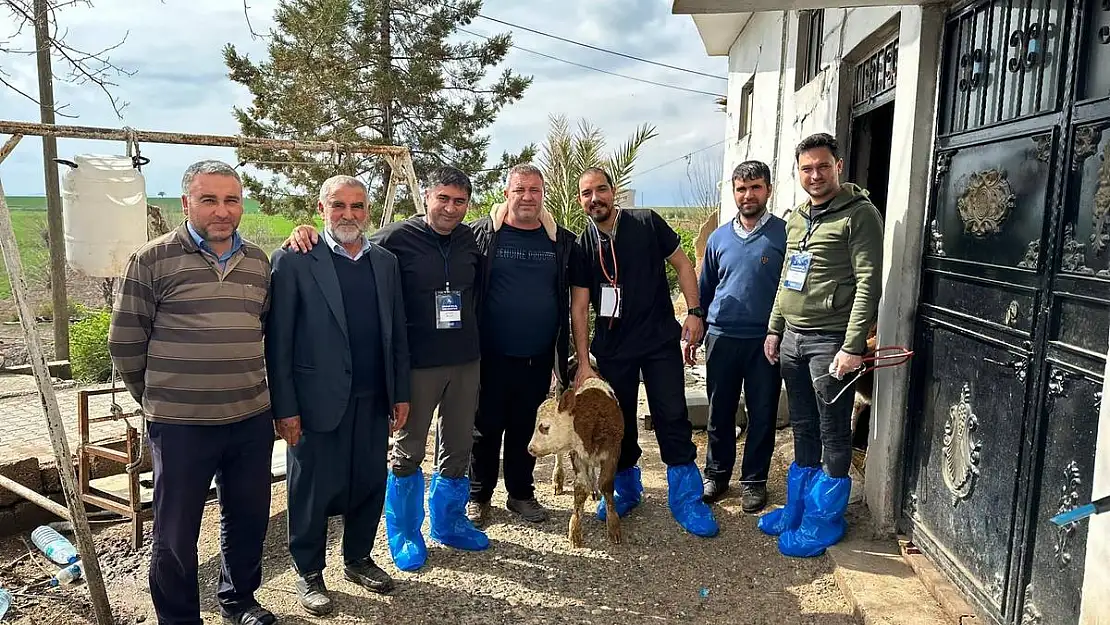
(236, 243)
(743, 232)
(338, 248)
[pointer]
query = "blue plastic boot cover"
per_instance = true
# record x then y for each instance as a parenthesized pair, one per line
(684, 491)
(404, 514)
(823, 523)
(628, 490)
(447, 497)
(789, 517)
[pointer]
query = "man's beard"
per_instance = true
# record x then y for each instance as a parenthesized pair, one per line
(347, 232)
(598, 217)
(751, 211)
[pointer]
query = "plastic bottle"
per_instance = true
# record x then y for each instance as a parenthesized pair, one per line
(5, 602)
(69, 574)
(54, 545)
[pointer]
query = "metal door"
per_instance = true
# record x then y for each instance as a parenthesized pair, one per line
(1015, 305)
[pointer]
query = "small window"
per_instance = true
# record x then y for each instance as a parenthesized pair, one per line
(746, 102)
(811, 36)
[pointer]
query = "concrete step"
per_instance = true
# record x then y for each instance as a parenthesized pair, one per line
(881, 586)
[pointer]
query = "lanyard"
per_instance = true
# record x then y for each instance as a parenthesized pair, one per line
(811, 227)
(446, 254)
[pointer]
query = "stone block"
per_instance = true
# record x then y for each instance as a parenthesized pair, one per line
(697, 406)
(57, 368)
(26, 472)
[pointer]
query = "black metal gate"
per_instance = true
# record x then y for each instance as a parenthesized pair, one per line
(1015, 305)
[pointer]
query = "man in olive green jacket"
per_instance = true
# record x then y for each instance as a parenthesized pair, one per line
(827, 301)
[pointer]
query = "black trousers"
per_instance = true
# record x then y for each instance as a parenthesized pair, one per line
(665, 383)
(732, 364)
(512, 389)
(341, 472)
(822, 428)
(186, 458)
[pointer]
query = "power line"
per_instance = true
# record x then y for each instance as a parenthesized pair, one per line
(675, 160)
(614, 52)
(603, 71)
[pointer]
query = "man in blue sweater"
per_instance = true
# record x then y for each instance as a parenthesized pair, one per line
(739, 278)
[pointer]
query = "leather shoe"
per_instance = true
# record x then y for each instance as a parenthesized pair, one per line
(713, 491)
(753, 497)
(313, 595)
(369, 576)
(254, 615)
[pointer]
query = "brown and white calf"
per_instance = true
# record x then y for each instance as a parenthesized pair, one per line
(589, 425)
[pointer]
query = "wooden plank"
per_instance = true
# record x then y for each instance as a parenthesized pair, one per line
(33, 497)
(63, 459)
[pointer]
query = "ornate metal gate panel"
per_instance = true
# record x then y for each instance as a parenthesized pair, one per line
(1015, 305)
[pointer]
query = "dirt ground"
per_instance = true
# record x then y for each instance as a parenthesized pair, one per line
(529, 575)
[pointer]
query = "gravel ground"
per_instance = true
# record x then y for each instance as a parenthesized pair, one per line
(530, 575)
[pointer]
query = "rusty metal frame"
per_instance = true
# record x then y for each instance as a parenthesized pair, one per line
(86, 450)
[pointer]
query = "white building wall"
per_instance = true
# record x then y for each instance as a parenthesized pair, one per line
(758, 52)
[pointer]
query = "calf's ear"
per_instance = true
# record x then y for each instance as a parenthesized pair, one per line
(566, 402)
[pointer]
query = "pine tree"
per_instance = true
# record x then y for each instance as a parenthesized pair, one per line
(384, 71)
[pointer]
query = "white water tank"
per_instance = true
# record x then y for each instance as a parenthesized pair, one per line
(104, 210)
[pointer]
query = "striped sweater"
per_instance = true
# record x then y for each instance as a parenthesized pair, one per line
(186, 337)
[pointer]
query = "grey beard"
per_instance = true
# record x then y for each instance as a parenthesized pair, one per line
(345, 237)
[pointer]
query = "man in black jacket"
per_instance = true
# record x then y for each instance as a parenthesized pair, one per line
(525, 329)
(440, 277)
(337, 357)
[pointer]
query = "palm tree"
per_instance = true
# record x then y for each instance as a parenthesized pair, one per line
(565, 155)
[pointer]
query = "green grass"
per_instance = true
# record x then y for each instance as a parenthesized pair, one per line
(30, 229)
(170, 204)
(29, 223)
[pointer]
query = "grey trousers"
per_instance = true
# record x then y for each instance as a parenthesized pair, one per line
(454, 390)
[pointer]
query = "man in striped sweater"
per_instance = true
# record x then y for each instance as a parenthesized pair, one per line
(186, 336)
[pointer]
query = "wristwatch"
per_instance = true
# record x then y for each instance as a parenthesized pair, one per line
(697, 312)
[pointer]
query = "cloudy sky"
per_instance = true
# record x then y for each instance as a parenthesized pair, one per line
(180, 82)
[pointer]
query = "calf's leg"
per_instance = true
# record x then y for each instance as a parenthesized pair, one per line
(558, 475)
(612, 520)
(575, 530)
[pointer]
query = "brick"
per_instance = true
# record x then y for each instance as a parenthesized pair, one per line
(26, 472)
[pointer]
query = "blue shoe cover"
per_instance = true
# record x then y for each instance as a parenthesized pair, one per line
(628, 490)
(447, 497)
(789, 517)
(684, 491)
(404, 514)
(823, 523)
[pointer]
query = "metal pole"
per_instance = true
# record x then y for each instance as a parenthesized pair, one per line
(179, 138)
(62, 457)
(54, 224)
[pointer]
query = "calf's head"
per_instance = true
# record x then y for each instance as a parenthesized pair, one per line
(554, 431)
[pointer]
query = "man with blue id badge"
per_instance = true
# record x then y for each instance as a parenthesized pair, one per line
(826, 304)
(440, 274)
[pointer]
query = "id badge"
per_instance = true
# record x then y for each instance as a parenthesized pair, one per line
(448, 310)
(610, 302)
(797, 270)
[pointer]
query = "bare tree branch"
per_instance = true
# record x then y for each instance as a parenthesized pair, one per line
(81, 66)
(247, 15)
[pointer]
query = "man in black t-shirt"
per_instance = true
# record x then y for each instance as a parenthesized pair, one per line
(618, 267)
(525, 329)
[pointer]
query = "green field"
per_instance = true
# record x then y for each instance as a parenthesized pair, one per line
(29, 223)
(171, 204)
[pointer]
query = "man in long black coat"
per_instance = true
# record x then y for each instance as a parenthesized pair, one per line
(338, 364)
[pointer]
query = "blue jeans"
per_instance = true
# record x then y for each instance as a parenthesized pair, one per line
(822, 432)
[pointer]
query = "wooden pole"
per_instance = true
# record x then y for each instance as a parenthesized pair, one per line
(390, 193)
(62, 457)
(54, 225)
(9, 147)
(414, 186)
(47, 504)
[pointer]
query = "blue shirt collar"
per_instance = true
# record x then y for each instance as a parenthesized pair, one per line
(337, 247)
(236, 243)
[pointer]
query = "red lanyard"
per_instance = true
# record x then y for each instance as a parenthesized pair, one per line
(612, 280)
